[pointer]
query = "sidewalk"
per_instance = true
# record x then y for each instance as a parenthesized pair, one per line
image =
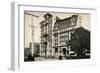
(44, 59)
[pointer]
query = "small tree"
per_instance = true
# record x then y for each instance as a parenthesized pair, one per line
(80, 41)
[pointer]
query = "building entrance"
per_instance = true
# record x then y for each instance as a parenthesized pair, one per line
(64, 51)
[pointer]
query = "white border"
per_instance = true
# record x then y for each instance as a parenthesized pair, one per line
(18, 37)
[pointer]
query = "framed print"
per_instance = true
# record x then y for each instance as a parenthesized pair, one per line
(51, 36)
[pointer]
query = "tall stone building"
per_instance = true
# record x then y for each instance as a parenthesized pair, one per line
(63, 28)
(46, 36)
(55, 35)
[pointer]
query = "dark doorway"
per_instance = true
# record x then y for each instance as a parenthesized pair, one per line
(56, 50)
(64, 51)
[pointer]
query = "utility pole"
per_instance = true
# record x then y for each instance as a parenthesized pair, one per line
(32, 27)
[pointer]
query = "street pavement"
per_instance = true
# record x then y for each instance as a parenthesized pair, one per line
(44, 59)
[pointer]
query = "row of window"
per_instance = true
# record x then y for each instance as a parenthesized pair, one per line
(45, 30)
(56, 40)
(64, 36)
(66, 25)
(64, 40)
(56, 44)
(56, 36)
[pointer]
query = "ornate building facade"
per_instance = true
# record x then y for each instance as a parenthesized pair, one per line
(63, 28)
(55, 35)
(46, 36)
